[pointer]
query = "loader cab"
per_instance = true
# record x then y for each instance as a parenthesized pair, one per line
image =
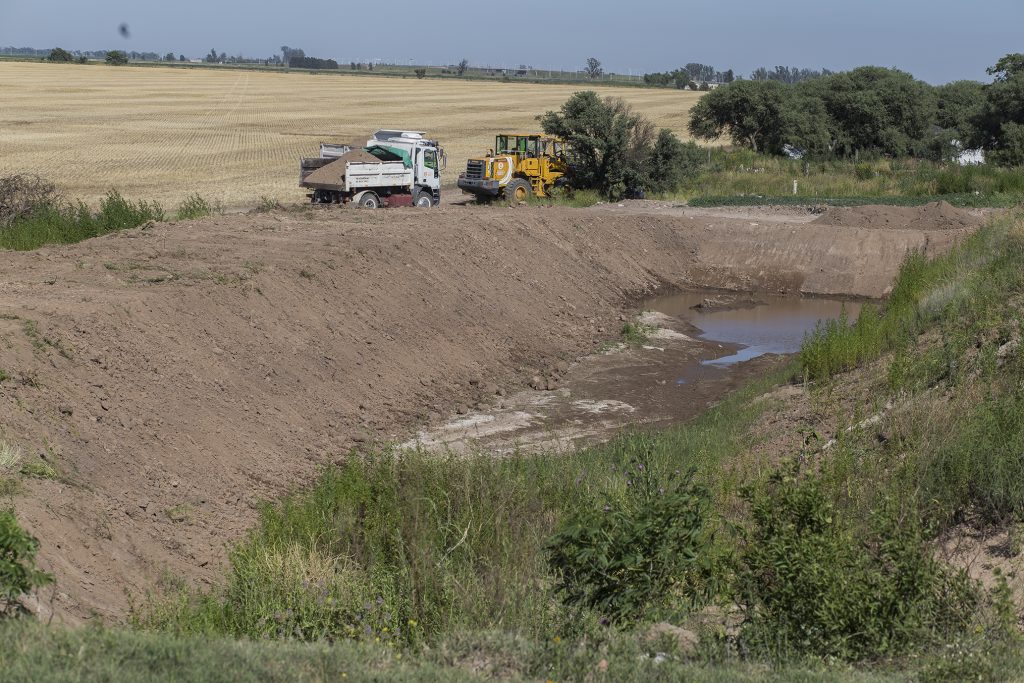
(523, 146)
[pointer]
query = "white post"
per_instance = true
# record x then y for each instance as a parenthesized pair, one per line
(794, 187)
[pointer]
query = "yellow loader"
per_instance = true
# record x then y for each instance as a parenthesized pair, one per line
(521, 165)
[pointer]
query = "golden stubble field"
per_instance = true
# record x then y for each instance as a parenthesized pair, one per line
(235, 136)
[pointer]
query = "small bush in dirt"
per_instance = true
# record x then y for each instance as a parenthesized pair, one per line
(268, 204)
(118, 213)
(637, 333)
(18, 572)
(194, 207)
(420, 73)
(23, 194)
(646, 549)
(813, 585)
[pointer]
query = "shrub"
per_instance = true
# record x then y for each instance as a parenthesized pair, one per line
(18, 572)
(643, 549)
(636, 334)
(811, 584)
(194, 207)
(63, 223)
(23, 194)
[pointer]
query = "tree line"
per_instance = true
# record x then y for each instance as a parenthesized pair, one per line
(871, 110)
(696, 76)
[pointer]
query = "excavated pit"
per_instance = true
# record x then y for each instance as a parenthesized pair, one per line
(209, 365)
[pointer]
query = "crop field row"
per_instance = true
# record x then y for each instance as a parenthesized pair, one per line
(236, 136)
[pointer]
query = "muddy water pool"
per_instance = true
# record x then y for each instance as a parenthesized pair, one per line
(759, 324)
(693, 358)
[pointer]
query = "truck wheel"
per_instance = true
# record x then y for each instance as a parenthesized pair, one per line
(423, 199)
(518, 190)
(369, 201)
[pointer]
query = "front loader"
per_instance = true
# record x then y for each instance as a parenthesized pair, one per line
(519, 167)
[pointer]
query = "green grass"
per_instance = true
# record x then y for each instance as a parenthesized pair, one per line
(950, 336)
(636, 333)
(958, 200)
(577, 199)
(33, 652)
(961, 292)
(741, 178)
(39, 469)
(69, 223)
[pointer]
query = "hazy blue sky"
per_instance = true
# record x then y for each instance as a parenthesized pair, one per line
(937, 40)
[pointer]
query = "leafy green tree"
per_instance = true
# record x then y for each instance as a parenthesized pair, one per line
(750, 113)
(116, 58)
(958, 104)
(876, 109)
(169, 57)
(420, 73)
(608, 142)
(60, 55)
(461, 68)
(18, 572)
(593, 68)
(999, 124)
(671, 162)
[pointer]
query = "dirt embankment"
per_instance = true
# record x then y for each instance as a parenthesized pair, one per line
(177, 375)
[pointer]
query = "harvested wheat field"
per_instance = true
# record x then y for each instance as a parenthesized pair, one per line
(235, 136)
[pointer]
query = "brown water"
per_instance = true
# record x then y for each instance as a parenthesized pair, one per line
(777, 326)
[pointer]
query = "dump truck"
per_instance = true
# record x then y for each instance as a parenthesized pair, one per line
(395, 168)
(521, 165)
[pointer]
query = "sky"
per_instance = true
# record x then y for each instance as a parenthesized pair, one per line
(936, 40)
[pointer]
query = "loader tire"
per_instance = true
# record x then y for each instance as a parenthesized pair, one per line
(518, 190)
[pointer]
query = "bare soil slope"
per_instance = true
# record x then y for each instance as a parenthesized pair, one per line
(176, 375)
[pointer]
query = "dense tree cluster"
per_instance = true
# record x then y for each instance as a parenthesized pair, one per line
(788, 74)
(60, 55)
(871, 109)
(116, 58)
(692, 75)
(616, 151)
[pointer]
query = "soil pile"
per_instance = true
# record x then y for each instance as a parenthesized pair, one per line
(934, 216)
(334, 172)
(175, 376)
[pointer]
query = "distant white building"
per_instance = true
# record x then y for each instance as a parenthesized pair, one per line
(969, 157)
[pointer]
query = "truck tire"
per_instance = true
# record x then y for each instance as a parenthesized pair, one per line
(423, 199)
(518, 190)
(369, 201)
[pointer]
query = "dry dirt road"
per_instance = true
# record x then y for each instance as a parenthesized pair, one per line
(176, 375)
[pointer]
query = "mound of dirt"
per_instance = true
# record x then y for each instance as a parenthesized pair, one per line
(334, 172)
(934, 216)
(175, 376)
